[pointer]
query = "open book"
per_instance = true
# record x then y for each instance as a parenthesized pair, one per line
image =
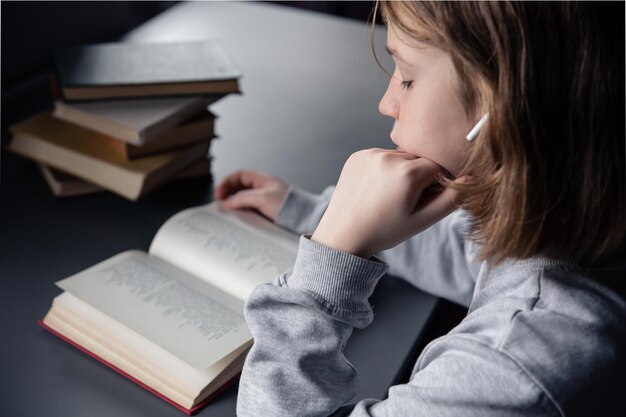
(172, 319)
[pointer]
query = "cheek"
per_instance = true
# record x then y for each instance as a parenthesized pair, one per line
(433, 129)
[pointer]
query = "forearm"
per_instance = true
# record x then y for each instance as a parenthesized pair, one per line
(439, 260)
(302, 323)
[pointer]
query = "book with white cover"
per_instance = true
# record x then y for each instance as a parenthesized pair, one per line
(172, 319)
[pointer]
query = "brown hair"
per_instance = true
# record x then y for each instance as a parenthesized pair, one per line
(547, 171)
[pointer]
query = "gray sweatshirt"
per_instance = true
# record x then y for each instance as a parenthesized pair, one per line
(542, 337)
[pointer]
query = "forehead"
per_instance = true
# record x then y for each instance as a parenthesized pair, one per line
(409, 50)
(413, 34)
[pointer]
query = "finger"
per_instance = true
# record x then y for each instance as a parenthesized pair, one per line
(401, 153)
(395, 153)
(404, 155)
(232, 184)
(463, 179)
(435, 207)
(225, 187)
(392, 152)
(424, 173)
(239, 180)
(245, 199)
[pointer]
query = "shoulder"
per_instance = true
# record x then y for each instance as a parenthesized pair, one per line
(562, 329)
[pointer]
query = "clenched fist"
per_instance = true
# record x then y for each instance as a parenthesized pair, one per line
(383, 197)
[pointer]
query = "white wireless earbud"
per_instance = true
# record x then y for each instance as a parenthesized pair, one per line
(474, 132)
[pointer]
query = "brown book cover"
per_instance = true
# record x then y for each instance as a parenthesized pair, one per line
(73, 149)
(63, 184)
(198, 129)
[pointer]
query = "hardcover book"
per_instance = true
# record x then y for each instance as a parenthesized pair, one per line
(63, 184)
(198, 129)
(171, 319)
(127, 69)
(74, 150)
(136, 122)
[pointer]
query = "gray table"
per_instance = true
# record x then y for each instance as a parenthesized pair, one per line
(311, 91)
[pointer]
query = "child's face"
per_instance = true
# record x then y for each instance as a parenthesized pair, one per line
(422, 98)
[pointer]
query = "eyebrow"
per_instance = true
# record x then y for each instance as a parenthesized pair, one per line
(394, 53)
(390, 51)
(406, 63)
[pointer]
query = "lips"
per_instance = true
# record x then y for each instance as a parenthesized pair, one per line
(398, 149)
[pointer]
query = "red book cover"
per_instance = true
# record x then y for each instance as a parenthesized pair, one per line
(188, 411)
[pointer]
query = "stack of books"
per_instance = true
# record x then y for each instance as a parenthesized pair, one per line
(130, 116)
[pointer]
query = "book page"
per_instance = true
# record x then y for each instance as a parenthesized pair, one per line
(178, 312)
(232, 250)
(125, 339)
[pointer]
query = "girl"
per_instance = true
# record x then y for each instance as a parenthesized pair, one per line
(536, 251)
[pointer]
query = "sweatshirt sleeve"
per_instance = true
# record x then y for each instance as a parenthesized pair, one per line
(440, 260)
(301, 211)
(451, 267)
(296, 366)
(300, 326)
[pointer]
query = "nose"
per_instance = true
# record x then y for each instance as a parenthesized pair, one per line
(388, 105)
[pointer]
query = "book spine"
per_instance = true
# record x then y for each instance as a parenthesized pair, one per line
(87, 93)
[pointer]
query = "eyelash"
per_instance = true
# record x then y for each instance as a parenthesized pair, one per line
(406, 84)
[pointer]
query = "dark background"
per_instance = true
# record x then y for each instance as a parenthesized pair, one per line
(30, 30)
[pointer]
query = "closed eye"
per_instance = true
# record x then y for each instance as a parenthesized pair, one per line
(406, 84)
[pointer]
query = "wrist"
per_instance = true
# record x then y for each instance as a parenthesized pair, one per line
(339, 242)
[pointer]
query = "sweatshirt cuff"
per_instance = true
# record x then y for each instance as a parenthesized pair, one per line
(300, 209)
(341, 281)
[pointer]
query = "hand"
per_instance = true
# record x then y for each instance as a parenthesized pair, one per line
(250, 189)
(383, 197)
